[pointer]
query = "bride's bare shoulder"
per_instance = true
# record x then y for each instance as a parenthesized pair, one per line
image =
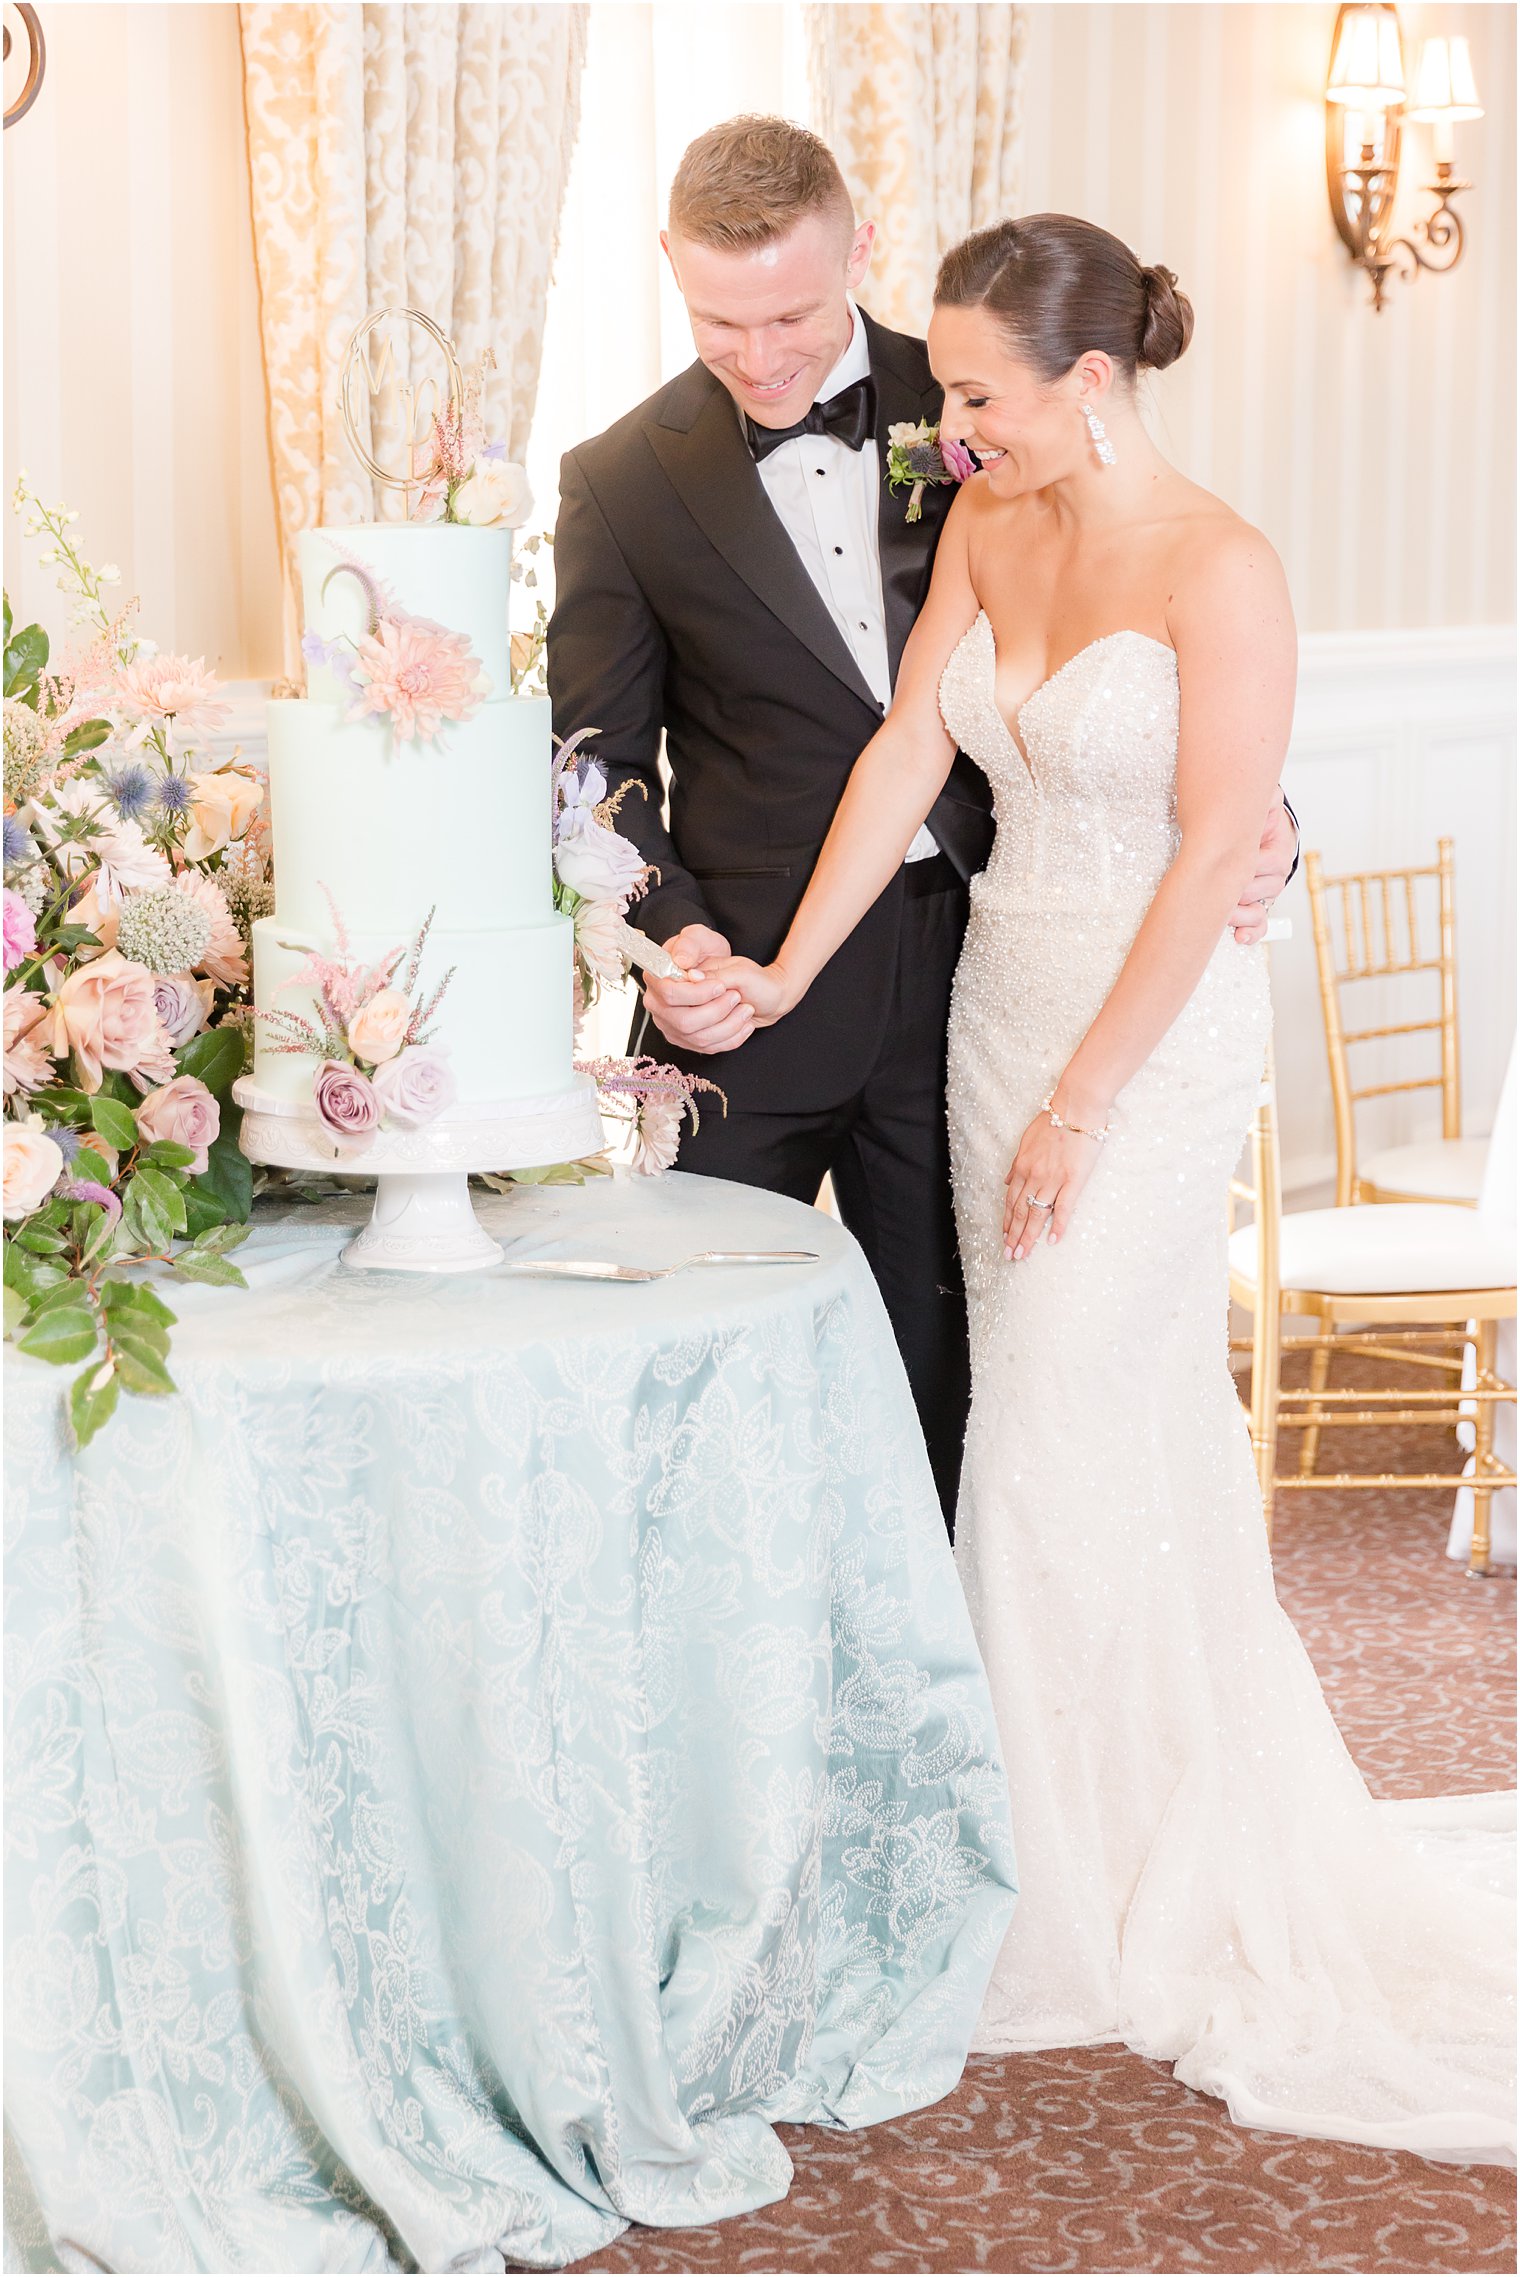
(1219, 560)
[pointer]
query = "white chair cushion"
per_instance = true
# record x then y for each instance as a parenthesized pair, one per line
(1390, 1250)
(1445, 1170)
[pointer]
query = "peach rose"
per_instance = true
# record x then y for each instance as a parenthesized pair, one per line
(106, 1016)
(33, 1166)
(224, 805)
(378, 1029)
(28, 1063)
(185, 1113)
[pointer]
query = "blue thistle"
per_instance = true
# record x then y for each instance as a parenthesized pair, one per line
(66, 1139)
(18, 842)
(175, 796)
(131, 789)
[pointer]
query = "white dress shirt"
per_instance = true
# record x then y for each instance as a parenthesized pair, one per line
(827, 497)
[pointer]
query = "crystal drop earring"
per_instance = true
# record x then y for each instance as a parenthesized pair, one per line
(1099, 434)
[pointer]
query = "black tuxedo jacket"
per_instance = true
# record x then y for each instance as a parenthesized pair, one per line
(682, 606)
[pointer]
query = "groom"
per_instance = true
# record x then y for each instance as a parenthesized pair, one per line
(732, 572)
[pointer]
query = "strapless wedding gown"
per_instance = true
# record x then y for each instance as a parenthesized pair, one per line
(1203, 1873)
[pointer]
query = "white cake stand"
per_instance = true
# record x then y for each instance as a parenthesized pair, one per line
(424, 1220)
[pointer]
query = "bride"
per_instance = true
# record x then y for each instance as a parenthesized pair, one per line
(1204, 1874)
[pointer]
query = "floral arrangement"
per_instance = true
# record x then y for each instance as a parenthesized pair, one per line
(917, 455)
(134, 868)
(418, 674)
(598, 873)
(530, 647)
(471, 481)
(375, 1068)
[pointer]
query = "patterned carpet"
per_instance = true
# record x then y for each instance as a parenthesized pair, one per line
(1096, 2160)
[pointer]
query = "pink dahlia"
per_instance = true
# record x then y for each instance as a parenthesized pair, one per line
(222, 960)
(172, 687)
(420, 674)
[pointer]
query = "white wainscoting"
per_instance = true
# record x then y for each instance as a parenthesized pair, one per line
(1401, 738)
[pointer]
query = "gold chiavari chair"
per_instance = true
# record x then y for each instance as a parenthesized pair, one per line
(1368, 926)
(1404, 1283)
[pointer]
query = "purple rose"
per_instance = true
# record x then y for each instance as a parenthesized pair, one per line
(415, 1086)
(958, 460)
(346, 1102)
(178, 1004)
(20, 931)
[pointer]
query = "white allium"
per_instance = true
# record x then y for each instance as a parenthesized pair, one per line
(166, 930)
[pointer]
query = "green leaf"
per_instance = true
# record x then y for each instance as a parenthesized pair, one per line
(59, 1104)
(216, 1056)
(7, 620)
(86, 737)
(68, 938)
(141, 1369)
(25, 658)
(92, 1400)
(19, 1273)
(215, 1272)
(168, 1155)
(221, 1238)
(68, 1333)
(227, 1177)
(88, 1164)
(15, 1310)
(166, 1194)
(64, 1292)
(45, 1240)
(122, 1299)
(115, 1123)
(98, 1239)
(203, 1212)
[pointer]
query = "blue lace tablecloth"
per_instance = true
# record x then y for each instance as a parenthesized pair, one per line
(483, 1752)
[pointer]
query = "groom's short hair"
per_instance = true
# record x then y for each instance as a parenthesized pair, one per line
(752, 179)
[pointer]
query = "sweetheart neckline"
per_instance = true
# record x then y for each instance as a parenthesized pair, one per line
(1124, 632)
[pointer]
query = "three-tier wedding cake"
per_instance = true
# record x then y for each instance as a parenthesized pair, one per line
(410, 782)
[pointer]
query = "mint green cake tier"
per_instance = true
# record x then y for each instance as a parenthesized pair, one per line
(506, 1020)
(455, 577)
(389, 828)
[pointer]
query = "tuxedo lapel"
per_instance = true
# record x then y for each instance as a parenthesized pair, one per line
(698, 442)
(905, 390)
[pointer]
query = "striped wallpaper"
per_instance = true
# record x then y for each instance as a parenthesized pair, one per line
(1378, 452)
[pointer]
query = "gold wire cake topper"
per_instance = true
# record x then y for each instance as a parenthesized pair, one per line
(380, 374)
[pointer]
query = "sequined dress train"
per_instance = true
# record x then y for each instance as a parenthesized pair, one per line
(1203, 1873)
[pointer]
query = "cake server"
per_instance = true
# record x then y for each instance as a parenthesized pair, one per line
(603, 1269)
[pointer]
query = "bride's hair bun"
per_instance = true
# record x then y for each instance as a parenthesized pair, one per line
(1168, 325)
(1058, 286)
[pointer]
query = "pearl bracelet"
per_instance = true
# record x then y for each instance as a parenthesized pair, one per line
(1076, 1129)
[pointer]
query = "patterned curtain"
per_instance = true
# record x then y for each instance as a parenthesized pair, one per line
(410, 155)
(923, 107)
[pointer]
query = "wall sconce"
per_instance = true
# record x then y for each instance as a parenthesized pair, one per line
(1365, 105)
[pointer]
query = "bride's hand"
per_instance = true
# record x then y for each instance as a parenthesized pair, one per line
(1048, 1173)
(762, 987)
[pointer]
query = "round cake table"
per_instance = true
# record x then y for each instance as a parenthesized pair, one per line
(482, 1752)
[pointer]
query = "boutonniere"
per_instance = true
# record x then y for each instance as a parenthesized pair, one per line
(917, 455)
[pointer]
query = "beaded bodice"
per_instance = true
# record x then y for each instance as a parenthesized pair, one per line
(1087, 808)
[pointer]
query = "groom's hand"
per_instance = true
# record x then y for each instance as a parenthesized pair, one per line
(699, 1015)
(1274, 860)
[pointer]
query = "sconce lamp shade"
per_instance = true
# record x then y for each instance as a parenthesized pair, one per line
(1367, 68)
(1444, 89)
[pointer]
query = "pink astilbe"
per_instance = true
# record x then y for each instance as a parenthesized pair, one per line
(343, 986)
(458, 440)
(419, 674)
(653, 1098)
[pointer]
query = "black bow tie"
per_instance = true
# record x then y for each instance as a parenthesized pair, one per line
(850, 416)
